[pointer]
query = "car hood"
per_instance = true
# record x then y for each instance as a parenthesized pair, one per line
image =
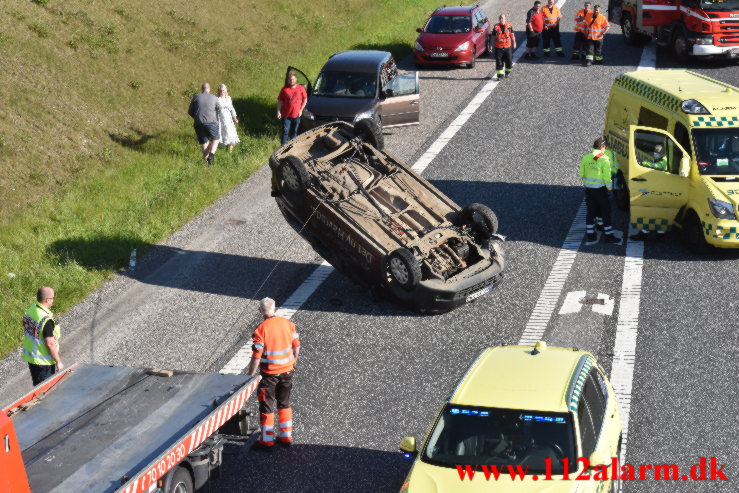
(726, 190)
(447, 41)
(427, 478)
(338, 107)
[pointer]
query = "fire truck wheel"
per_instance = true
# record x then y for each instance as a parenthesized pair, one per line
(680, 45)
(181, 481)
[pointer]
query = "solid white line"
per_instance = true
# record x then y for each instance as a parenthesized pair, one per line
(241, 359)
(648, 59)
(552, 290)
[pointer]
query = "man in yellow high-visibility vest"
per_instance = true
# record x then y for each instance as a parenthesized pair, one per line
(41, 336)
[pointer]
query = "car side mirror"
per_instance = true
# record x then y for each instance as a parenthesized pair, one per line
(408, 446)
(599, 459)
(684, 166)
(419, 30)
(479, 30)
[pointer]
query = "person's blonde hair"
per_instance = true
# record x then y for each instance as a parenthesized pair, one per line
(225, 89)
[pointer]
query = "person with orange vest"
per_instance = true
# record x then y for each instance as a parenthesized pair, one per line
(275, 351)
(596, 28)
(552, 15)
(584, 15)
(504, 42)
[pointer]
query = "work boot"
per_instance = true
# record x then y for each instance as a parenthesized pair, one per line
(546, 53)
(559, 53)
(587, 63)
(591, 238)
(575, 56)
(259, 447)
(611, 238)
(534, 56)
(508, 74)
(599, 62)
(640, 236)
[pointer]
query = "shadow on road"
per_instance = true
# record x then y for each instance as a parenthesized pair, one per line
(313, 468)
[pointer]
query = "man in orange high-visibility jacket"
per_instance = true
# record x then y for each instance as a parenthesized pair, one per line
(275, 350)
(584, 15)
(504, 43)
(596, 27)
(552, 15)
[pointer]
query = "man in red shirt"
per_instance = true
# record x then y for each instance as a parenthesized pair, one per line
(534, 27)
(275, 351)
(290, 105)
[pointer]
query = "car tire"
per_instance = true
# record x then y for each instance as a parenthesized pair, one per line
(180, 482)
(404, 268)
(630, 35)
(680, 45)
(483, 220)
(294, 174)
(622, 193)
(471, 65)
(694, 235)
(368, 131)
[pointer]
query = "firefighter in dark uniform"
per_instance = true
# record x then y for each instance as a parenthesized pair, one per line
(504, 42)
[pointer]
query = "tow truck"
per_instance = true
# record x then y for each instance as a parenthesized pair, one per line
(689, 27)
(122, 429)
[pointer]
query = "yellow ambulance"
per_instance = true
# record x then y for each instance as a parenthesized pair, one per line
(675, 134)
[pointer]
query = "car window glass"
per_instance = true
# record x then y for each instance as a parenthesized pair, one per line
(587, 431)
(596, 403)
(483, 16)
(683, 137)
(648, 118)
(346, 85)
(402, 85)
(448, 24)
(653, 151)
(717, 150)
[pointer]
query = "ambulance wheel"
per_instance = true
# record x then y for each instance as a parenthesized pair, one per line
(295, 175)
(694, 235)
(622, 192)
(180, 481)
(481, 218)
(404, 268)
(370, 132)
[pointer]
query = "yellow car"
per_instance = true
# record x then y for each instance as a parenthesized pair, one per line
(675, 135)
(535, 417)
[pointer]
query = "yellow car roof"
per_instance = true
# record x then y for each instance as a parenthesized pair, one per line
(511, 377)
(669, 88)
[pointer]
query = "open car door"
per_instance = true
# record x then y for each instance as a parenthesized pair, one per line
(303, 79)
(658, 180)
(401, 103)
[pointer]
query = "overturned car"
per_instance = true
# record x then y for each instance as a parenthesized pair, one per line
(378, 222)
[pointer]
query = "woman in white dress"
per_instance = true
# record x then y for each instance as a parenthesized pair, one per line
(227, 119)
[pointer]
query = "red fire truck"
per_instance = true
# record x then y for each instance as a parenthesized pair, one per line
(689, 27)
(121, 429)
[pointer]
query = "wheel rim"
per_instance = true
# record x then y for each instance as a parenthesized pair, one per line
(399, 270)
(180, 488)
(291, 179)
(681, 46)
(626, 28)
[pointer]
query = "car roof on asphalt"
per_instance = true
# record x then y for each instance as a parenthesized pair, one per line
(511, 377)
(456, 10)
(356, 61)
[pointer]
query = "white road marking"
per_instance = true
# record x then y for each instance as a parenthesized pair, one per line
(240, 360)
(648, 59)
(552, 290)
(607, 307)
(572, 304)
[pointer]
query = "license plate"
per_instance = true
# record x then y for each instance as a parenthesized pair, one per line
(477, 294)
(439, 54)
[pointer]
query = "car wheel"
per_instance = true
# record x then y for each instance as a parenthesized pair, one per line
(483, 220)
(404, 268)
(474, 58)
(294, 174)
(694, 235)
(181, 481)
(622, 192)
(368, 131)
(680, 45)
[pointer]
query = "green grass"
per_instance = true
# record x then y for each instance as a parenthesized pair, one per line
(100, 156)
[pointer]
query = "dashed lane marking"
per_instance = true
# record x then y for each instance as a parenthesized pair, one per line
(241, 359)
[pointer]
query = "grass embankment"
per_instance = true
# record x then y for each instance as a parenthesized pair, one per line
(98, 152)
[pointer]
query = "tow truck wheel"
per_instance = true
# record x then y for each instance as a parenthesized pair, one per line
(181, 481)
(680, 45)
(694, 236)
(482, 219)
(295, 174)
(622, 192)
(404, 268)
(370, 132)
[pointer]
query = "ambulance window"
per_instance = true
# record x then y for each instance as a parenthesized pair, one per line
(648, 118)
(683, 137)
(654, 150)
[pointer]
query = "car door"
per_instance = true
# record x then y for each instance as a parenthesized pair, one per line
(402, 101)
(655, 195)
(303, 79)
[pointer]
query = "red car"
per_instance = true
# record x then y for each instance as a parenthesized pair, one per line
(453, 36)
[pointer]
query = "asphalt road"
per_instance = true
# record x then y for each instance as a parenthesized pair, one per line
(372, 372)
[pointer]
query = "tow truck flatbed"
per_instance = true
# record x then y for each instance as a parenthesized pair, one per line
(108, 428)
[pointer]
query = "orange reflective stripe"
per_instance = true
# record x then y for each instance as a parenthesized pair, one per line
(581, 21)
(503, 36)
(274, 341)
(551, 17)
(597, 27)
